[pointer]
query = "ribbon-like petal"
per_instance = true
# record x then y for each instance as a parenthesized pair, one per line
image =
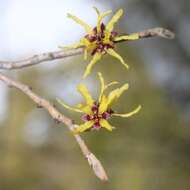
(136, 110)
(114, 19)
(117, 56)
(83, 127)
(96, 57)
(85, 93)
(126, 37)
(104, 123)
(115, 94)
(69, 107)
(87, 28)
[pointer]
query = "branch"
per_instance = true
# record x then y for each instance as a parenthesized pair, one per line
(157, 32)
(36, 59)
(56, 115)
(50, 56)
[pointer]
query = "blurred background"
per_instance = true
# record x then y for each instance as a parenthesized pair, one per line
(152, 147)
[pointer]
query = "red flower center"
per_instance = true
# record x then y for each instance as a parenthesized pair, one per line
(96, 116)
(98, 37)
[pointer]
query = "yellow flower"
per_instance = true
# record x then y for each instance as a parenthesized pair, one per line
(100, 39)
(97, 112)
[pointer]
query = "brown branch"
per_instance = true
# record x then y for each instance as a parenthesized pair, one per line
(154, 32)
(157, 32)
(36, 59)
(56, 115)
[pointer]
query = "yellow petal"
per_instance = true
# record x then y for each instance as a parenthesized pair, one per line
(100, 17)
(130, 113)
(85, 54)
(127, 37)
(117, 56)
(110, 84)
(86, 109)
(84, 127)
(72, 46)
(102, 85)
(115, 94)
(87, 28)
(85, 93)
(97, 11)
(68, 107)
(96, 57)
(103, 104)
(105, 124)
(114, 19)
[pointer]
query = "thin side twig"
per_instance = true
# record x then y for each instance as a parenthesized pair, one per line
(50, 56)
(56, 115)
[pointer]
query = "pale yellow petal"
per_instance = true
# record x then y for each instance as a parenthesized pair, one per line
(114, 19)
(104, 123)
(87, 28)
(127, 37)
(115, 94)
(103, 104)
(117, 56)
(97, 11)
(95, 58)
(128, 114)
(102, 84)
(68, 107)
(106, 13)
(85, 108)
(72, 46)
(100, 17)
(85, 93)
(110, 84)
(84, 127)
(85, 54)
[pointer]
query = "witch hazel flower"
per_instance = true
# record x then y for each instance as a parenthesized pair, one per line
(96, 113)
(100, 40)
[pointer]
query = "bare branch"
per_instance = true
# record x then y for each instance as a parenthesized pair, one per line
(157, 32)
(36, 59)
(153, 32)
(56, 115)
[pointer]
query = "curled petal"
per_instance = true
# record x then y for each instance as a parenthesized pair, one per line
(104, 123)
(115, 94)
(83, 127)
(102, 85)
(127, 37)
(114, 19)
(68, 107)
(130, 113)
(117, 56)
(87, 28)
(96, 57)
(85, 93)
(110, 84)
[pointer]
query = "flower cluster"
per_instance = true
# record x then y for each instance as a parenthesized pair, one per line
(97, 112)
(101, 39)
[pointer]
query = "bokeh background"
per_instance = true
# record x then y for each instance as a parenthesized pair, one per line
(149, 151)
